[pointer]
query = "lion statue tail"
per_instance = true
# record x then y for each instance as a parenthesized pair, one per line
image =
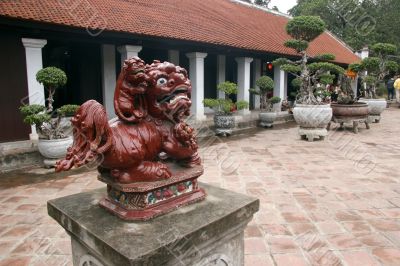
(92, 136)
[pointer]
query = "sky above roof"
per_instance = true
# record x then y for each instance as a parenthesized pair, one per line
(283, 5)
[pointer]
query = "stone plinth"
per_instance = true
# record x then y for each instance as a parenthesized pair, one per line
(209, 232)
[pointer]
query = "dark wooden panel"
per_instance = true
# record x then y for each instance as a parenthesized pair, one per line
(13, 87)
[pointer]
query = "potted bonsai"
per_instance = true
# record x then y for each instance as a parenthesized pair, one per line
(374, 70)
(224, 120)
(53, 143)
(265, 89)
(311, 111)
(347, 109)
(67, 112)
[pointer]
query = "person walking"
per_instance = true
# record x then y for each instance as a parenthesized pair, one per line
(396, 85)
(390, 88)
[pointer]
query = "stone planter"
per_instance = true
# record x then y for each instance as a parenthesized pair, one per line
(224, 124)
(54, 149)
(267, 119)
(313, 120)
(375, 108)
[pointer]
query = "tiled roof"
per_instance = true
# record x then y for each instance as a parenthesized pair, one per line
(220, 22)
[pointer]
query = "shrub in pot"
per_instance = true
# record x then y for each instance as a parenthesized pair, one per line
(374, 71)
(53, 142)
(224, 120)
(67, 112)
(265, 88)
(311, 111)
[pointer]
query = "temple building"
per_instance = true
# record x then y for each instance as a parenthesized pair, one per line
(216, 41)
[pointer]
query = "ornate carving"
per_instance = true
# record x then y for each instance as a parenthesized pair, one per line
(151, 102)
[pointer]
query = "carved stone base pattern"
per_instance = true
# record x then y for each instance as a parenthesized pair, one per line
(313, 133)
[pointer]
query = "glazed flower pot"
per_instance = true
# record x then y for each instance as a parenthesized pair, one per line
(359, 109)
(375, 108)
(313, 120)
(224, 124)
(54, 149)
(267, 119)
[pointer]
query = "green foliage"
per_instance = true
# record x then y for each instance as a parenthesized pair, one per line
(291, 68)
(228, 88)
(325, 57)
(263, 3)
(326, 67)
(221, 106)
(370, 64)
(370, 80)
(305, 28)
(358, 23)
(275, 100)
(68, 110)
(240, 105)
(33, 109)
(384, 49)
(296, 83)
(266, 84)
(51, 77)
(326, 79)
(392, 66)
(355, 67)
(34, 114)
(297, 45)
(281, 61)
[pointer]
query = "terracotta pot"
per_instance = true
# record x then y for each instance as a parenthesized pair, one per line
(359, 109)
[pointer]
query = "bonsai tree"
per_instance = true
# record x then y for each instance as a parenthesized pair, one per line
(265, 88)
(226, 106)
(51, 78)
(346, 94)
(47, 121)
(303, 30)
(374, 70)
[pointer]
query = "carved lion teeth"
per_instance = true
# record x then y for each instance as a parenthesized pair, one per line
(174, 100)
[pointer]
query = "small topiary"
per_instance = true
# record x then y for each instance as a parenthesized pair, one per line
(226, 106)
(68, 110)
(265, 87)
(51, 78)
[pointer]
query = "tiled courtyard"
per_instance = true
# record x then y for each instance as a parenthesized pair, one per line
(335, 202)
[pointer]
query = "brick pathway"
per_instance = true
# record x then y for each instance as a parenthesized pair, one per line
(335, 202)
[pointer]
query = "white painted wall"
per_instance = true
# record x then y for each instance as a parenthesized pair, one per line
(34, 62)
(244, 80)
(196, 75)
(108, 77)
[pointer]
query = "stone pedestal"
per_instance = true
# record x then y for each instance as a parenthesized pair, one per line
(206, 233)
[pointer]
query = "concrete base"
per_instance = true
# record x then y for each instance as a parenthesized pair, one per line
(374, 118)
(313, 133)
(210, 232)
(355, 121)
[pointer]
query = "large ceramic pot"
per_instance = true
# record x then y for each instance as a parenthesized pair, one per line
(375, 108)
(313, 120)
(224, 124)
(54, 149)
(267, 119)
(359, 109)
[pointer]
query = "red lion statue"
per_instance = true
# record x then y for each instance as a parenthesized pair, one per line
(151, 102)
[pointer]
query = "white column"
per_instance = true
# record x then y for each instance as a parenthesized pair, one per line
(128, 51)
(173, 57)
(280, 84)
(108, 77)
(196, 75)
(257, 75)
(354, 85)
(34, 62)
(244, 80)
(221, 73)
